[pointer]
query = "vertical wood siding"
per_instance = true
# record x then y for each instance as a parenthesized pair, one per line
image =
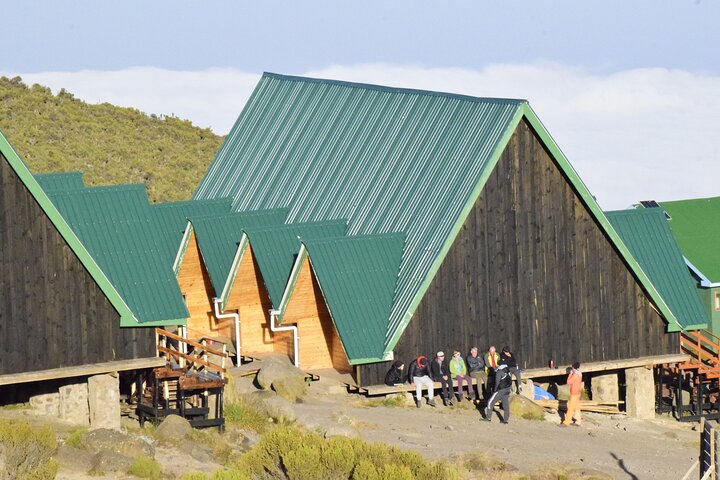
(52, 313)
(531, 269)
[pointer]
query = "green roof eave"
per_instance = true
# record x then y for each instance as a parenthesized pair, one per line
(673, 325)
(125, 323)
(21, 170)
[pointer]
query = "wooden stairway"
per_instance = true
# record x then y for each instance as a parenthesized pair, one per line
(190, 385)
(704, 349)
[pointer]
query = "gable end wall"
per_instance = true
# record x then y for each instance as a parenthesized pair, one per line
(531, 269)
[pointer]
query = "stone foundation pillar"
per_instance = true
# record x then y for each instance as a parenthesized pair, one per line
(73, 406)
(605, 388)
(104, 401)
(640, 392)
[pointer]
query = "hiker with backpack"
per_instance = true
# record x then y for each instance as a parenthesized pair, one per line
(501, 393)
(419, 374)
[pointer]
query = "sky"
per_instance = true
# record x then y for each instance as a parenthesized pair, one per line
(629, 90)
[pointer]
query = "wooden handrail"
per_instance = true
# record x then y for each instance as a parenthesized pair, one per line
(191, 359)
(192, 343)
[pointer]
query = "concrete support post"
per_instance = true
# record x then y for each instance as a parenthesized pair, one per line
(73, 406)
(605, 388)
(640, 392)
(104, 401)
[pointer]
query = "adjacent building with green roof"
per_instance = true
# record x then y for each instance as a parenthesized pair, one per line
(503, 243)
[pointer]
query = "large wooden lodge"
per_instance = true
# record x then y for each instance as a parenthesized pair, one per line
(345, 225)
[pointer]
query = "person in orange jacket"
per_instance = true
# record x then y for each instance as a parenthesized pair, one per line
(574, 381)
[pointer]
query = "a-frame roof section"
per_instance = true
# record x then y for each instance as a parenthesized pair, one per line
(116, 225)
(172, 219)
(647, 235)
(60, 181)
(386, 159)
(695, 223)
(275, 250)
(67, 233)
(221, 241)
(357, 277)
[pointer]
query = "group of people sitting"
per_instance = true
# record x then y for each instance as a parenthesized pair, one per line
(492, 371)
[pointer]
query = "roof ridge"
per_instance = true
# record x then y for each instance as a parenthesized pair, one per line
(238, 214)
(383, 88)
(290, 226)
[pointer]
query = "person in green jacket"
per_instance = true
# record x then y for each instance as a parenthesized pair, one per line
(458, 371)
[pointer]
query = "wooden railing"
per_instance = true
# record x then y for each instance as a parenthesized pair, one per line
(703, 347)
(199, 358)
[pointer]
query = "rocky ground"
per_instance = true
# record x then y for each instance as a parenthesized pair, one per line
(606, 446)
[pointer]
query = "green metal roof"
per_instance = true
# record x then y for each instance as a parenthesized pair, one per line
(386, 159)
(275, 249)
(117, 227)
(61, 181)
(172, 219)
(647, 234)
(357, 276)
(127, 317)
(218, 237)
(696, 226)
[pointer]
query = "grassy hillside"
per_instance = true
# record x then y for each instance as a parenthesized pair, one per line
(109, 144)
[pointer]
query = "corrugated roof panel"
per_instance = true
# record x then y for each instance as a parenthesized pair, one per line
(357, 276)
(60, 181)
(648, 237)
(172, 219)
(219, 235)
(116, 226)
(275, 249)
(386, 159)
(696, 226)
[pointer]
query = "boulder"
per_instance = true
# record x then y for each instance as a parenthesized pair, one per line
(279, 409)
(46, 404)
(106, 440)
(107, 461)
(523, 407)
(239, 386)
(173, 429)
(528, 389)
(74, 459)
(276, 367)
(73, 404)
(291, 388)
(104, 401)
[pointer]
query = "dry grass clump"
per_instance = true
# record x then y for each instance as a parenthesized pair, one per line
(244, 414)
(26, 452)
(145, 467)
(390, 401)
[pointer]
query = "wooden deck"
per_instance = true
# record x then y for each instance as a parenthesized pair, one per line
(82, 370)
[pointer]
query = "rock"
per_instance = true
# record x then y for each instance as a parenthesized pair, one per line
(274, 368)
(449, 428)
(343, 418)
(563, 392)
(239, 386)
(198, 451)
(73, 405)
(280, 409)
(104, 401)
(291, 388)
(671, 435)
(605, 387)
(340, 431)
(46, 404)
(528, 390)
(525, 408)
(173, 429)
(640, 393)
(74, 459)
(107, 461)
(106, 440)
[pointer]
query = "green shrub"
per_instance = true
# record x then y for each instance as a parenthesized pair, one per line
(195, 476)
(244, 415)
(76, 438)
(145, 467)
(27, 451)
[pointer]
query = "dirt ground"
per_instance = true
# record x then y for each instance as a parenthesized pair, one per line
(622, 447)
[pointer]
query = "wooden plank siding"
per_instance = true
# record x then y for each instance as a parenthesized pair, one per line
(532, 269)
(319, 343)
(197, 289)
(52, 313)
(248, 296)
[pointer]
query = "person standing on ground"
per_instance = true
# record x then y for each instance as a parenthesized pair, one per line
(501, 393)
(440, 372)
(574, 382)
(492, 361)
(419, 374)
(510, 360)
(458, 371)
(476, 370)
(394, 376)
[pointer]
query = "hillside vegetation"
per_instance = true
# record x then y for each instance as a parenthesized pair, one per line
(111, 145)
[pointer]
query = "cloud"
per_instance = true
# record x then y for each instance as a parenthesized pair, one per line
(631, 135)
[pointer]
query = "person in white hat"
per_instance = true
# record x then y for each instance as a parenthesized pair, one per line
(440, 371)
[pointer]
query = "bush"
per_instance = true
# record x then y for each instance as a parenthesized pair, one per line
(390, 401)
(145, 467)
(25, 452)
(76, 438)
(244, 415)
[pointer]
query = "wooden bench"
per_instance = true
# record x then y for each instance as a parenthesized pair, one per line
(377, 390)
